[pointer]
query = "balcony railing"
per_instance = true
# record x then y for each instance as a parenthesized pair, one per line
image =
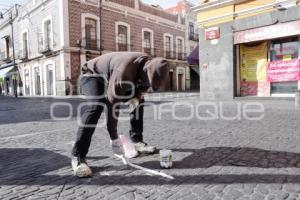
(150, 51)
(123, 47)
(44, 45)
(181, 56)
(169, 54)
(90, 44)
(94, 2)
(147, 50)
(23, 54)
(194, 37)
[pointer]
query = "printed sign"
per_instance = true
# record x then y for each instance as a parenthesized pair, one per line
(253, 62)
(287, 57)
(283, 71)
(248, 88)
(212, 33)
(267, 32)
(263, 88)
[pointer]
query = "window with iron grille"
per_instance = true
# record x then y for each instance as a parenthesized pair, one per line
(179, 49)
(47, 36)
(179, 45)
(168, 43)
(191, 31)
(122, 38)
(168, 46)
(25, 45)
(91, 33)
(7, 46)
(147, 39)
(147, 42)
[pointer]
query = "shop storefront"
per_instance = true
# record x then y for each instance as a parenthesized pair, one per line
(268, 60)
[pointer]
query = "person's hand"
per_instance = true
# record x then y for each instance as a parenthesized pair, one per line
(133, 104)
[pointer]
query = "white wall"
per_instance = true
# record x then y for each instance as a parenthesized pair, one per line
(31, 17)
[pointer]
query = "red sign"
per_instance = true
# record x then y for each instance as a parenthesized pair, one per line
(267, 32)
(212, 33)
(281, 71)
(255, 88)
(248, 88)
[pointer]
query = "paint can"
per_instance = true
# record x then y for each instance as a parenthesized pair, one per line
(165, 157)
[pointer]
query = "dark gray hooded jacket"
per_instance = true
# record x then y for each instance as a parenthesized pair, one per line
(119, 69)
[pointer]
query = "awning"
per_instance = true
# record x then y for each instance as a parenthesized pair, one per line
(4, 71)
(3, 66)
(193, 58)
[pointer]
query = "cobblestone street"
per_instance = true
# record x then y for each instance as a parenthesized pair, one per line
(213, 159)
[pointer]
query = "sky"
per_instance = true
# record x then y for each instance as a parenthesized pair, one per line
(165, 3)
(8, 3)
(162, 3)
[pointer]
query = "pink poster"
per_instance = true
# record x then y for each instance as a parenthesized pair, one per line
(248, 88)
(283, 71)
(259, 88)
(263, 88)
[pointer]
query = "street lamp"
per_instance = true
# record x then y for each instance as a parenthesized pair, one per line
(101, 31)
(15, 86)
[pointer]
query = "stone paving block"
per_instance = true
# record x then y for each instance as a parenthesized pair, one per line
(232, 194)
(256, 196)
(215, 160)
(262, 189)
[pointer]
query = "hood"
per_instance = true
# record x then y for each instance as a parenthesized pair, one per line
(158, 73)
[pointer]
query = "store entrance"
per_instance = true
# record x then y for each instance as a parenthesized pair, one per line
(253, 62)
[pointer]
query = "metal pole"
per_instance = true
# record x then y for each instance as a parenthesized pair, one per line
(297, 99)
(15, 82)
(101, 35)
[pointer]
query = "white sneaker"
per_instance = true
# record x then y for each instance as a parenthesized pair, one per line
(117, 147)
(81, 168)
(144, 148)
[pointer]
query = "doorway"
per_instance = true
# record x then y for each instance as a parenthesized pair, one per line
(37, 80)
(180, 77)
(171, 81)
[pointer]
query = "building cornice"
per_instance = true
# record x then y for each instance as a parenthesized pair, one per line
(245, 12)
(115, 7)
(6, 21)
(215, 4)
(27, 9)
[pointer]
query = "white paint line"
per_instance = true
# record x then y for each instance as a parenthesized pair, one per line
(33, 134)
(157, 173)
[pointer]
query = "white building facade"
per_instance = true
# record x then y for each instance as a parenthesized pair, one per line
(40, 46)
(6, 50)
